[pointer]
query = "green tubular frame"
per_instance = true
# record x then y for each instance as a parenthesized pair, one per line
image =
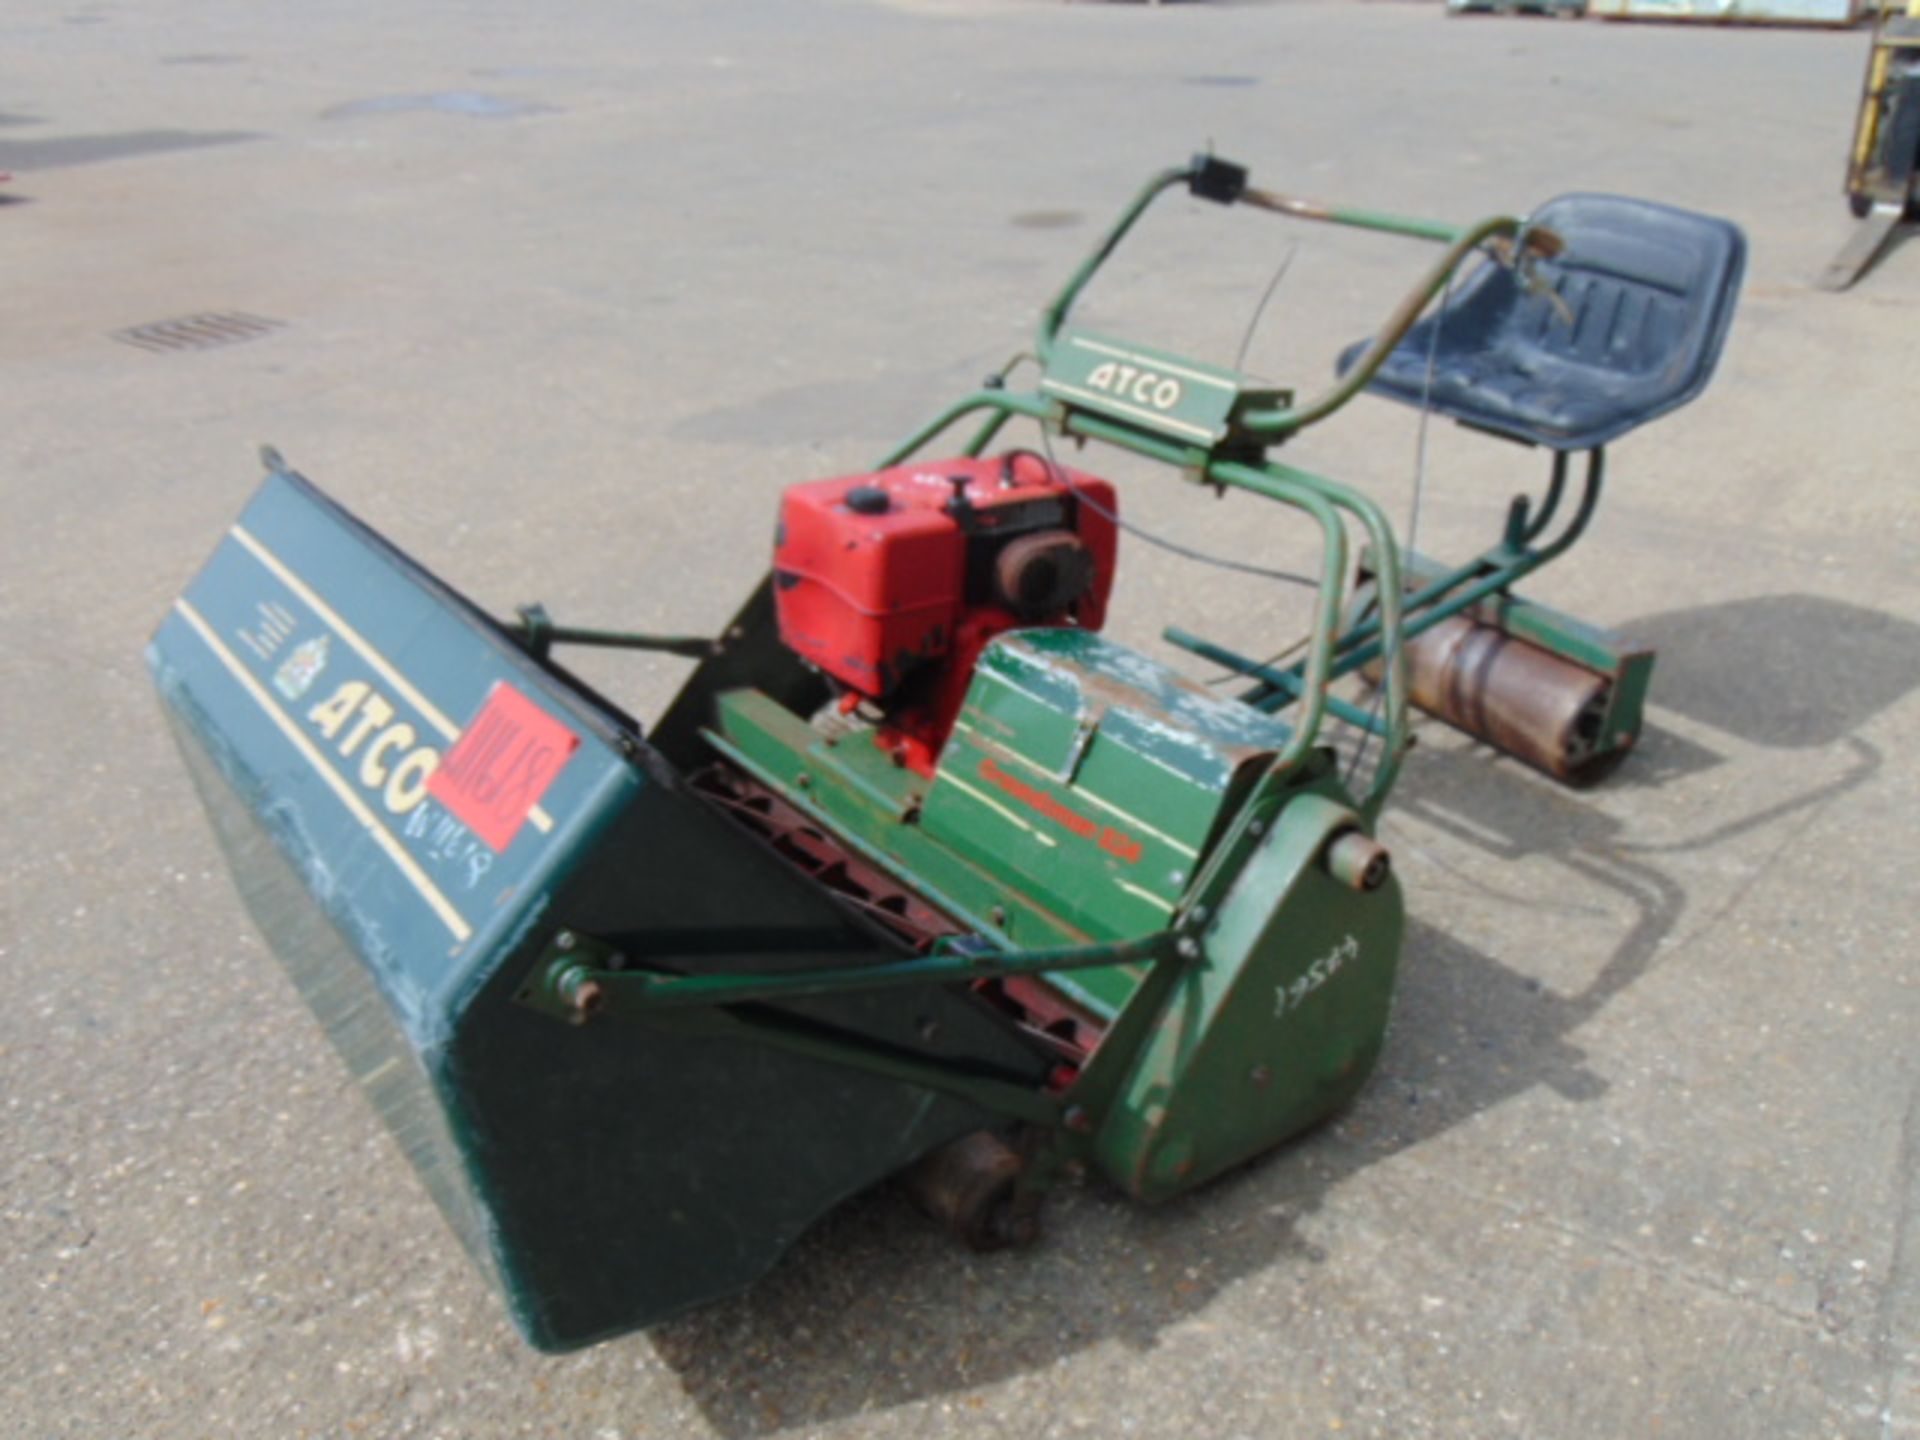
(1320, 498)
(1458, 590)
(1330, 654)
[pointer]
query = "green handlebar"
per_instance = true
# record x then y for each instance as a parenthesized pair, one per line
(1511, 239)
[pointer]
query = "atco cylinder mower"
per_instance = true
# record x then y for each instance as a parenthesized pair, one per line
(920, 873)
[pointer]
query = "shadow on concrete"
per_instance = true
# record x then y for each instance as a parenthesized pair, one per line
(1661, 757)
(1790, 672)
(862, 1316)
(59, 151)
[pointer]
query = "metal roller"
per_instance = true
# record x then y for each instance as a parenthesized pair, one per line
(1513, 695)
(970, 1186)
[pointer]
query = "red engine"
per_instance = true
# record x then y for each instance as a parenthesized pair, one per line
(891, 583)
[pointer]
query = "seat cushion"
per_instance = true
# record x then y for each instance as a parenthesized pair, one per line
(1645, 294)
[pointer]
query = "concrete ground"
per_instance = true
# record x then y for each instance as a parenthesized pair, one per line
(564, 295)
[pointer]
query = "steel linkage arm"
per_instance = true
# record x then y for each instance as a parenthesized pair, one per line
(583, 986)
(537, 631)
(580, 979)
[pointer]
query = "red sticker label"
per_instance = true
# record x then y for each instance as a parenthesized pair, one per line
(501, 765)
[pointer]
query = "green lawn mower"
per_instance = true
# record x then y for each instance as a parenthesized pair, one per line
(919, 874)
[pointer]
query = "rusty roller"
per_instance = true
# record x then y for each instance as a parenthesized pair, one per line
(970, 1186)
(1513, 695)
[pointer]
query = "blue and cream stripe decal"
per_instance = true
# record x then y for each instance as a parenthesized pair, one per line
(384, 668)
(355, 803)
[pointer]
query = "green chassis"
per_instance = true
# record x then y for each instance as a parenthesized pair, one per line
(1221, 441)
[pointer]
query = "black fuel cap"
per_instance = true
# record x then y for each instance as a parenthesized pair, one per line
(868, 500)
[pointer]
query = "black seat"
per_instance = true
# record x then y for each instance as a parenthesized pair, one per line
(1648, 292)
